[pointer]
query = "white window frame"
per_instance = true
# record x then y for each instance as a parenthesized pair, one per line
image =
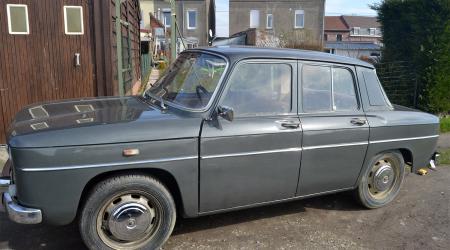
(9, 19)
(267, 21)
(356, 29)
(299, 12)
(189, 27)
(255, 25)
(164, 17)
(372, 31)
(65, 20)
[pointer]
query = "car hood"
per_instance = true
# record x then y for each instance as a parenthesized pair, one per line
(98, 121)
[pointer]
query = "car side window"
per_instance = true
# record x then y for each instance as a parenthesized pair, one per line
(327, 89)
(344, 95)
(373, 87)
(316, 86)
(259, 89)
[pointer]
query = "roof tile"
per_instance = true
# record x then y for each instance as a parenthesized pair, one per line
(335, 23)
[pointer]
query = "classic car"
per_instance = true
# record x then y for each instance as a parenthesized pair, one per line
(225, 128)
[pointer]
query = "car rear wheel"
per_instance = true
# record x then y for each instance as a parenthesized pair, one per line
(127, 212)
(381, 181)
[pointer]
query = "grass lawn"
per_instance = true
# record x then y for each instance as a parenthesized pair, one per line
(445, 124)
(445, 156)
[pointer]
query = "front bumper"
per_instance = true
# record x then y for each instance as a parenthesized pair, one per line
(16, 212)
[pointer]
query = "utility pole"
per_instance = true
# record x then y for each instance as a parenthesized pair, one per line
(173, 31)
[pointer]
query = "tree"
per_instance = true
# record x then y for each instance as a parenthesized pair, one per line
(418, 32)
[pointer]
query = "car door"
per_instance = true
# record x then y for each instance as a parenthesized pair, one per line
(335, 130)
(256, 157)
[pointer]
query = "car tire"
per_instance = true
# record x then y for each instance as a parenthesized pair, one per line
(127, 212)
(381, 180)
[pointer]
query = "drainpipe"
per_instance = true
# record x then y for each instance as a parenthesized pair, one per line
(119, 48)
(173, 31)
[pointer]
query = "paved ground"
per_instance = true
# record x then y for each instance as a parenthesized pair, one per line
(444, 140)
(418, 219)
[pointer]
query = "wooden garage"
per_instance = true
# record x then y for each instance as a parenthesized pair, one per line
(59, 49)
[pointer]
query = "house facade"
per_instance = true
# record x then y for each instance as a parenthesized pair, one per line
(354, 36)
(193, 18)
(280, 20)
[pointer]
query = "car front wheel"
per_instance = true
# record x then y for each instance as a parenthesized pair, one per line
(381, 180)
(127, 212)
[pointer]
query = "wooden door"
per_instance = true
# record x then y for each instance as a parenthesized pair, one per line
(41, 66)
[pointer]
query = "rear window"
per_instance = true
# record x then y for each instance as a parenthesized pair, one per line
(376, 94)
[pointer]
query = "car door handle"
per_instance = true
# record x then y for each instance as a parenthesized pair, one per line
(358, 121)
(289, 123)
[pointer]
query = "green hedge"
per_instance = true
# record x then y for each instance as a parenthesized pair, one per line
(418, 32)
(445, 124)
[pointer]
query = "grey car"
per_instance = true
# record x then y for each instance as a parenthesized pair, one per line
(225, 128)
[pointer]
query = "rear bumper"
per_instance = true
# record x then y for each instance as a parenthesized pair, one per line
(16, 212)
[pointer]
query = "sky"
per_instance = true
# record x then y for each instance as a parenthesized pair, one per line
(332, 8)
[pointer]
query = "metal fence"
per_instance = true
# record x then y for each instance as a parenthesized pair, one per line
(399, 81)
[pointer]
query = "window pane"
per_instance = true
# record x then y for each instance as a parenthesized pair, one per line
(299, 18)
(254, 18)
(192, 19)
(167, 20)
(269, 21)
(299, 22)
(374, 90)
(260, 89)
(191, 80)
(316, 86)
(344, 90)
(74, 20)
(18, 19)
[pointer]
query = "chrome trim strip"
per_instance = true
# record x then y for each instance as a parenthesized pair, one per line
(336, 145)
(405, 139)
(252, 153)
(110, 164)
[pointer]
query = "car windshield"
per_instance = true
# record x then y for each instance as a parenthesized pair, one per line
(190, 81)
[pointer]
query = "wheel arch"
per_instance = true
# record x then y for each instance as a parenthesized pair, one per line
(162, 175)
(407, 156)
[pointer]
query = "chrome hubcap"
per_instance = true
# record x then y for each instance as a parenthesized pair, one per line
(127, 220)
(130, 221)
(382, 178)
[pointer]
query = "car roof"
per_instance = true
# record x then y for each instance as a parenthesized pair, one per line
(237, 53)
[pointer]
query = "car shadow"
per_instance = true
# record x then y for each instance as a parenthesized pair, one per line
(16, 236)
(340, 201)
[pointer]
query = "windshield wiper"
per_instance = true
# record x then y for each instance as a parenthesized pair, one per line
(158, 98)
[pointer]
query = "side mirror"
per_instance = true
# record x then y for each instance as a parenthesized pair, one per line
(226, 113)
